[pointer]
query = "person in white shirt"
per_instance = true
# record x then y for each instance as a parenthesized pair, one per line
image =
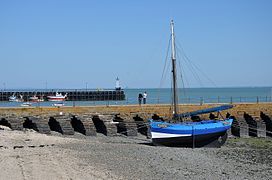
(144, 97)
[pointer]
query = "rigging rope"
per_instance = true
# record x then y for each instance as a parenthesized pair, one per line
(166, 66)
(181, 75)
(193, 66)
(189, 65)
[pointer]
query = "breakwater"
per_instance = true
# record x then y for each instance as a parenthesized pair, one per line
(249, 119)
(72, 95)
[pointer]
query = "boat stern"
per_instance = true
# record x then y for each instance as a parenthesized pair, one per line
(227, 123)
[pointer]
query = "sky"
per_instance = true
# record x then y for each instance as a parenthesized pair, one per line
(84, 43)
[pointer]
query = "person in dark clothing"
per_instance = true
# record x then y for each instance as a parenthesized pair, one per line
(140, 97)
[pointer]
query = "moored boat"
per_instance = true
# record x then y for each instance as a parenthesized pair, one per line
(177, 132)
(36, 99)
(60, 104)
(26, 104)
(13, 98)
(57, 97)
(191, 134)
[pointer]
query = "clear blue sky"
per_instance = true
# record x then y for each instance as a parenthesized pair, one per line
(68, 43)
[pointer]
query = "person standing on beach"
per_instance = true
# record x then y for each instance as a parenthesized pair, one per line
(140, 97)
(144, 97)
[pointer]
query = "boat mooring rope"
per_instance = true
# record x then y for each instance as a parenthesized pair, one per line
(252, 128)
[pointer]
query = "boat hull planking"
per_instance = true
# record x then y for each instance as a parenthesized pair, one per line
(193, 134)
(192, 141)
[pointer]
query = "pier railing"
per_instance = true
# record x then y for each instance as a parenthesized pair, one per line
(205, 100)
(151, 100)
(198, 100)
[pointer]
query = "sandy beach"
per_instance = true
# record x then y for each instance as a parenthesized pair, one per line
(30, 155)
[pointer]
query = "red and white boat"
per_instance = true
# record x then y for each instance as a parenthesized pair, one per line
(57, 97)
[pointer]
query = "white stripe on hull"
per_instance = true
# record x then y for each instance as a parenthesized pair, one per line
(167, 135)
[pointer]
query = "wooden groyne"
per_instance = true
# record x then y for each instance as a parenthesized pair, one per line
(72, 95)
(250, 120)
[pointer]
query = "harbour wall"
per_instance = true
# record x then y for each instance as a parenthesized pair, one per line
(250, 120)
(72, 95)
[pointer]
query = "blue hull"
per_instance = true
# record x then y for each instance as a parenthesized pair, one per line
(188, 134)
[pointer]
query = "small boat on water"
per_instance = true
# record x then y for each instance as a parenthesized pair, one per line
(60, 104)
(177, 132)
(14, 98)
(57, 97)
(26, 104)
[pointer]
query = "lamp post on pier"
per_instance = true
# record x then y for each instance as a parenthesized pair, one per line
(86, 85)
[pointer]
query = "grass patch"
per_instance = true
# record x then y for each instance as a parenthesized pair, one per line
(252, 142)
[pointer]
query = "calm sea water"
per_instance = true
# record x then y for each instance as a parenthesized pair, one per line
(204, 95)
(188, 96)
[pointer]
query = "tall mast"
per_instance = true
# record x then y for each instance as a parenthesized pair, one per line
(174, 71)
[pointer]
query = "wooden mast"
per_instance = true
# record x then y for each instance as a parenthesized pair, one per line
(174, 71)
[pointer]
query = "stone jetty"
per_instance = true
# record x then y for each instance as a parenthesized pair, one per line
(250, 120)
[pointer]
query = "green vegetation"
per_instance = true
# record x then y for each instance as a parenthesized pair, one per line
(252, 142)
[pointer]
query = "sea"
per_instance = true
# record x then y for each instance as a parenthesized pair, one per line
(186, 96)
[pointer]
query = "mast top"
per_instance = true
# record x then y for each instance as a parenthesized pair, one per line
(173, 40)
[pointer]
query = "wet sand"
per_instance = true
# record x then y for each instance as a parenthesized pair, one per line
(30, 155)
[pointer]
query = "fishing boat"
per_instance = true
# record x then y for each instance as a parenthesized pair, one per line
(57, 97)
(13, 98)
(35, 99)
(177, 131)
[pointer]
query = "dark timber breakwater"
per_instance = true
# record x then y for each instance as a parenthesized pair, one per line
(72, 95)
(250, 120)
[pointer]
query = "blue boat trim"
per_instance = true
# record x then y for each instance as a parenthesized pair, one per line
(196, 128)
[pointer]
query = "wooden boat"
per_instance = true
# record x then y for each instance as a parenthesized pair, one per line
(176, 132)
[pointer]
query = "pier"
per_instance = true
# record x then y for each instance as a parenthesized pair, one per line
(72, 95)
